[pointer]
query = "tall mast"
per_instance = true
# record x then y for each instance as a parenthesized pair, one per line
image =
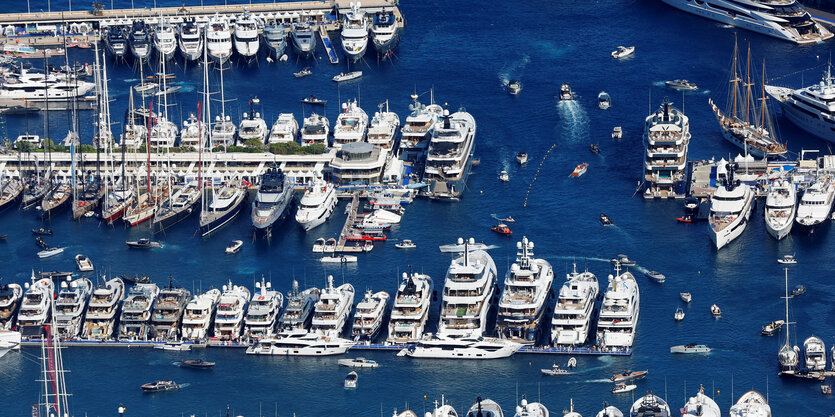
(148, 146)
(735, 79)
(788, 343)
(748, 86)
(762, 105)
(99, 92)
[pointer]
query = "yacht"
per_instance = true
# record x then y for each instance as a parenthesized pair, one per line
(35, 307)
(116, 202)
(650, 405)
(285, 129)
(317, 204)
(135, 132)
(443, 347)
(573, 313)
(420, 124)
(811, 108)
(751, 404)
(300, 343)
(229, 319)
(788, 356)
(815, 204)
(223, 132)
(299, 312)
(10, 299)
(333, 309)
(198, 315)
(11, 190)
(70, 306)
(783, 19)
(385, 32)
(609, 411)
(252, 127)
(194, 133)
(246, 36)
(304, 40)
(445, 410)
(700, 406)
(666, 141)
(619, 312)
(368, 319)
(219, 39)
(263, 311)
(534, 409)
(527, 288)
(166, 316)
(815, 352)
(37, 86)
(450, 156)
(384, 126)
(226, 204)
(780, 207)
(176, 208)
(57, 199)
(354, 33)
(190, 39)
(468, 292)
(140, 40)
(100, 321)
(9, 340)
(315, 130)
(135, 321)
(411, 309)
(351, 125)
(273, 200)
(116, 41)
(275, 39)
(730, 207)
(163, 133)
(485, 408)
(165, 40)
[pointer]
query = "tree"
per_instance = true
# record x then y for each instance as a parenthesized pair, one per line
(253, 143)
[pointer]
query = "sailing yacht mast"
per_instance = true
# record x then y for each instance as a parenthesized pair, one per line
(735, 79)
(762, 104)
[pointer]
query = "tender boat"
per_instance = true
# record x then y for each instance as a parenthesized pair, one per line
(679, 315)
(502, 229)
(84, 263)
(655, 275)
(42, 232)
(605, 220)
(234, 247)
(773, 327)
(358, 363)
(623, 260)
(50, 252)
(594, 148)
(351, 380)
(715, 310)
(196, 364)
(554, 370)
(144, 243)
(565, 92)
(629, 376)
(690, 348)
(620, 388)
(504, 177)
(522, 158)
(158, 386)
(787, 260)
(405, 244)
(514, 87)
(623, 52)
(681, 85)
(685, 296)
(617, 132)
(604, 101)
(347, 76)
(304, 72)
(579, 170)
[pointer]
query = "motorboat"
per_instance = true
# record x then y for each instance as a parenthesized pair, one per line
(262, 315)
(514, 87)
(140, 40)
(751, 404)
(565, 92)
(715, 310)
(354, 35)
(730, 207)
(815, 354)
(594, 148)
(419, 127)
(530, 409)
(449, 157)
(405, 244)
(410, 309)
(9, 340)
(815, 205)
(315, 130)
(385, 32)
(579, 170)
(275, 39)
(485, 408)
(780, 208)
(503, 176)
(369, 316)
(10, 299)
(304, 40)
(679, 314)
(158, 386)
(685, 296)
(655, 275)
(70, 306)
(167, 313)
(178, 207)
(502, 229)
(574, 309)
(190, 39)
(234, 247)
(617, 132)
(787, 260)
(554, 370)
(272, 201)
(650, 405)
(198, 316)
(225, 205)
(347, 76)
(604, 101)
(300, 343)
(623, 52)
(681, 85)
(809, 107)
(319, 245)
(621, 388)
(605, 220)
(468, 290)
(144, 243)
(135, 319)
(316, 205)
(173, 346)
(100, 320)
(666, 141)
(690, 348)
(84, 263)
(384, 127)
(116, 41)
(522, 158)
(527, 288)
(333, 309)
(773, 327)
(25, 85)
(798, 290)
(246, 36)
(700, 406)
(619, 312)
(358, 363)
(42, 232)
(229, 319)
(218, 39)
(284, 130)
(196, 364)
(165, 40)
(50, 252)
(330, 246)
(467, 347)
(35, 307)
(351, 380)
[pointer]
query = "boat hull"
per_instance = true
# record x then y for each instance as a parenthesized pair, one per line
(385, 47)
(161, 224)
(224, 219)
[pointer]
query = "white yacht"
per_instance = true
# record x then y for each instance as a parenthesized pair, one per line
(285, 129)
(385, 32)
(485, 408)
(751, 404)
(351, 125)
(780, 206)
(304, 40)
(411, 309)
(609, 411)
(252, 127)
(445, 347)
(315, 130)
(815, 354)
(445, 410)
(9, 340)
(300, 343)
(573, 313)
(368, 319)
(36, 86)
(420, 124)
(811, 108)
(219, 39)
(263, 311)
(226, 203)
(246, 36)
(275, 39)
(229, 318)
(333, 309)
(223, 132)
(199, 314)
(450, 156)
(299, 312)
(700, 406)
(666, 139)
(468, 292)
(317, 204)
(190, 39)
(527, 287)
(194, 134)
(730, 207)
(534, 409)
(815, 204)
(166, 315)
(650, 405)
(783, 19)
(165, 40)
(10, 298)
(619, 312)
(135, 320)
(70, 306)
(384, 127)
(355, 33)
(100, 321)
(35, 307)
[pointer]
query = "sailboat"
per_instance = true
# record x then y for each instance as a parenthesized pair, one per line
(226, 204)
(93, 190)
(54, 399)
(223, 131)
(749, 131)
(788, 354)
(120, 197)
(147, 204)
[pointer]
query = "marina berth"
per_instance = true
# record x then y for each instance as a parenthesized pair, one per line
(449, 157)
(469, 286)
(730, 207)
(135, 319)
(100, 320)
(199, 315)
(10, 298)
(780, 208)
(619, 311)
(574, 310)
(71, 305)
(666, 139)
(262, 315)
(527, 289)
(810, 108)
(229, 319)
(35, 308)
(410, 309)
(167, 313)
(369, 316)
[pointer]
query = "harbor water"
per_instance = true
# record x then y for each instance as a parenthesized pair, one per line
(466, 53)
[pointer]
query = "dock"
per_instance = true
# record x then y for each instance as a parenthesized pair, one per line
(326, 42)
(350, 221)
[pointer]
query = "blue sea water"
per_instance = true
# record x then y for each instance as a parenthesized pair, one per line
(465, 52)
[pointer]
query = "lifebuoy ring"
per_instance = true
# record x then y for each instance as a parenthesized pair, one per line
(343, 260)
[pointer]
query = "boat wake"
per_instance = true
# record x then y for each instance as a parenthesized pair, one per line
(550, 50)
(576, 120)
(513, 70)
(186, 385)
(186, 87)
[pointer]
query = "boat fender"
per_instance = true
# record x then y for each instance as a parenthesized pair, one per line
(343, 260)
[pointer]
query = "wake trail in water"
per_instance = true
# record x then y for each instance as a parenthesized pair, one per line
(514, 69)
(576, 120)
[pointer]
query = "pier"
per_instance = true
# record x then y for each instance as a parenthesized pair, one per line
(326, 42)
(350, 221)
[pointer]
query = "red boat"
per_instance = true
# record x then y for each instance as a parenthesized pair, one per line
(502, 229)
(685, 219)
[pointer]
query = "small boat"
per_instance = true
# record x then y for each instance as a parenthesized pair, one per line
(554, 370)
(144, 88)
(690, 348)
(679, 316)
(681, 85)
(617, 132)
(172, 89)
(522, 158)
(715, 310)
(41, 243)
(798, 290)
(158, 386)
(135, 279)
(773, 327)
(84, 263)
(826, 389)
(621, 388)
(196, 364)
(303, 73)
(504, 177)
(42, 232)
(340, 259)
(234, 247)
(604, 101)
(358, 363)
(623, 52)
(572, 363)
(351, 380)
(579, 170)
(629, 376)
(46, 253)
(605, 220)
(405, 244)
(144, 243)
(173, 346)
(623, 259)
(685, 219)
(565, 92)
(685, 296)
(313, 100)
(657, 276)
(502, 229)
(347, 76)
(514, 87)
(787, 260)
(594, 148)
(330, 246)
